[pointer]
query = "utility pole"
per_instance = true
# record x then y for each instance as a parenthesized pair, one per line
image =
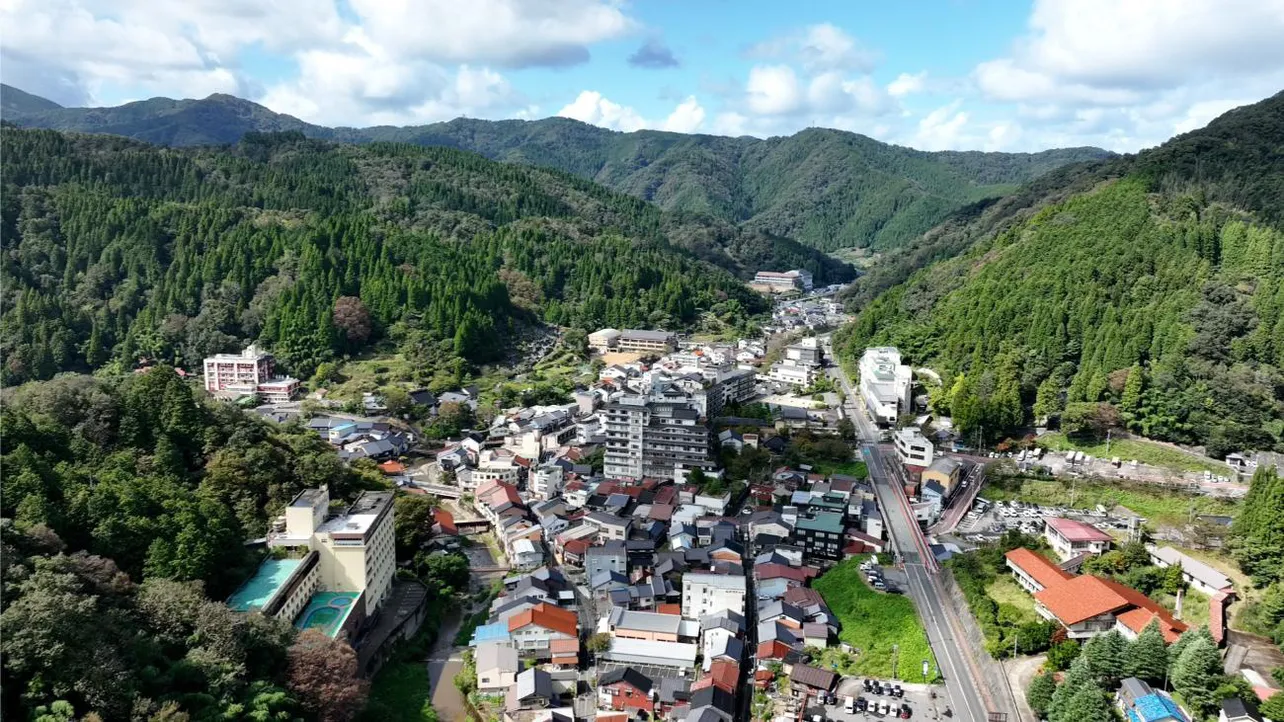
(1108, 432)
(895, 653)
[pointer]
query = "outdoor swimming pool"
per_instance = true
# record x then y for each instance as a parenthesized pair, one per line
(327, 611)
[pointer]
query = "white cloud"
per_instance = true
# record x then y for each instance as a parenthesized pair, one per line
(773, 90)
(686, 118)
(74, 50)
(832, 93)
(941, 129)
(907, 84)
(508, 33)
(591, 107)
(827, 47)
(362, 84)
(1129, 75)
(817, 48)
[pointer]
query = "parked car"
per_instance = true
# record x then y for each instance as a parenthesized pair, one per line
(849, 705)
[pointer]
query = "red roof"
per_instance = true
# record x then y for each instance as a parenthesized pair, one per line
(446, 520)
(1041, 570)
(763, 678)
(775, 570)
(547, 616)
(564, 650)
(392, 467)
(1137, 619)
(774, 649)
(661, 512)
(578, 547)
(1076, 531)
(722, 674)
(665, 494)
(803, 596)
(1085, 597)
(675, 609)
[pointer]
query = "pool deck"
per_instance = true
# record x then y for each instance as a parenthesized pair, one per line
(258, 590)
(327, 611)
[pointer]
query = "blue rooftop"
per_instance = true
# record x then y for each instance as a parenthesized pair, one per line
(1155, 708)
(490, 633)
(258, 590)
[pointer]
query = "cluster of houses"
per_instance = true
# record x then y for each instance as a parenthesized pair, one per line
(812, 314)
(659, 570)
(356, 438)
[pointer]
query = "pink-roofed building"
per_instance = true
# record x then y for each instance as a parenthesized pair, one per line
(1070, 538)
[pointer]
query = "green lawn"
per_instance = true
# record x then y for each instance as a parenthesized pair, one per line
(1156, 503)
(1194, 607)
(872, 622)
(1146, 452)
(1012, 599)
(850, 468)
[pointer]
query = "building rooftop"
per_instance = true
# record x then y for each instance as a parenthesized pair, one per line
(1076, 531)
(645, 621)
(327, 611)
(823, 521)
(647, 335)
(547, 616)
(1198, 570)
(259, 589)
(1040, 569)
(720, 581)
(361, 515)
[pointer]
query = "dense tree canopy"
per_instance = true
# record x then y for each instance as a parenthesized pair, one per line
(1146, 293)
(114, 250)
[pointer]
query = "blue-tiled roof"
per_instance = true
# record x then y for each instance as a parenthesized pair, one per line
(490, 633)
(1155, 708)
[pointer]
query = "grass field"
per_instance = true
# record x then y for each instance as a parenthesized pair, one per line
(1146, 452)
(1012, 599)
(1156, 503)
(872, 622)
(1194, 607)
(850, 468)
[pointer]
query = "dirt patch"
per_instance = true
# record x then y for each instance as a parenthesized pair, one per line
(611, 358)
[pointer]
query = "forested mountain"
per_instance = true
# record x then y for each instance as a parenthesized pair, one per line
(126, 504)
(827, 189)
(117, 250)
(1145, 291)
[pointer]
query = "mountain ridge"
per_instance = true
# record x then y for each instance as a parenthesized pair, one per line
(824, 188)
(1145, 291)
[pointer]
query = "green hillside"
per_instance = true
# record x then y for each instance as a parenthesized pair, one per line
(116, 250)
(826, 189)
(1145, 291)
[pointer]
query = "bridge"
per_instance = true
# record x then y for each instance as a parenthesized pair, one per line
(447, 492)
(472, 526)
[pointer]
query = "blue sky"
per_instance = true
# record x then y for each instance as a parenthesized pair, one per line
(931, 74)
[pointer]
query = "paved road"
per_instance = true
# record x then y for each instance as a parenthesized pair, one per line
(960, 666)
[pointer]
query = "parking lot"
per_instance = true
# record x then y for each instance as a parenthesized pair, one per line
(918, 698)
(986, 521)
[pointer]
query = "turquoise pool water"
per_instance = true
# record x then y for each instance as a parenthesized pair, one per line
(271, 575)
(327, 611)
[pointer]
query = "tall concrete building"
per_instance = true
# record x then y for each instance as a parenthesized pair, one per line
(350, 556)
(655, 435)
(885, 384)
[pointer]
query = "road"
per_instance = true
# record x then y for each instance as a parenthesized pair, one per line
(960, 666)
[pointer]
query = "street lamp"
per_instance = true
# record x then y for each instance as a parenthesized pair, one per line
(895, 651)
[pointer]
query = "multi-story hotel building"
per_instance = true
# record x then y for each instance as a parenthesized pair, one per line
(655, 436)
(328, 571)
